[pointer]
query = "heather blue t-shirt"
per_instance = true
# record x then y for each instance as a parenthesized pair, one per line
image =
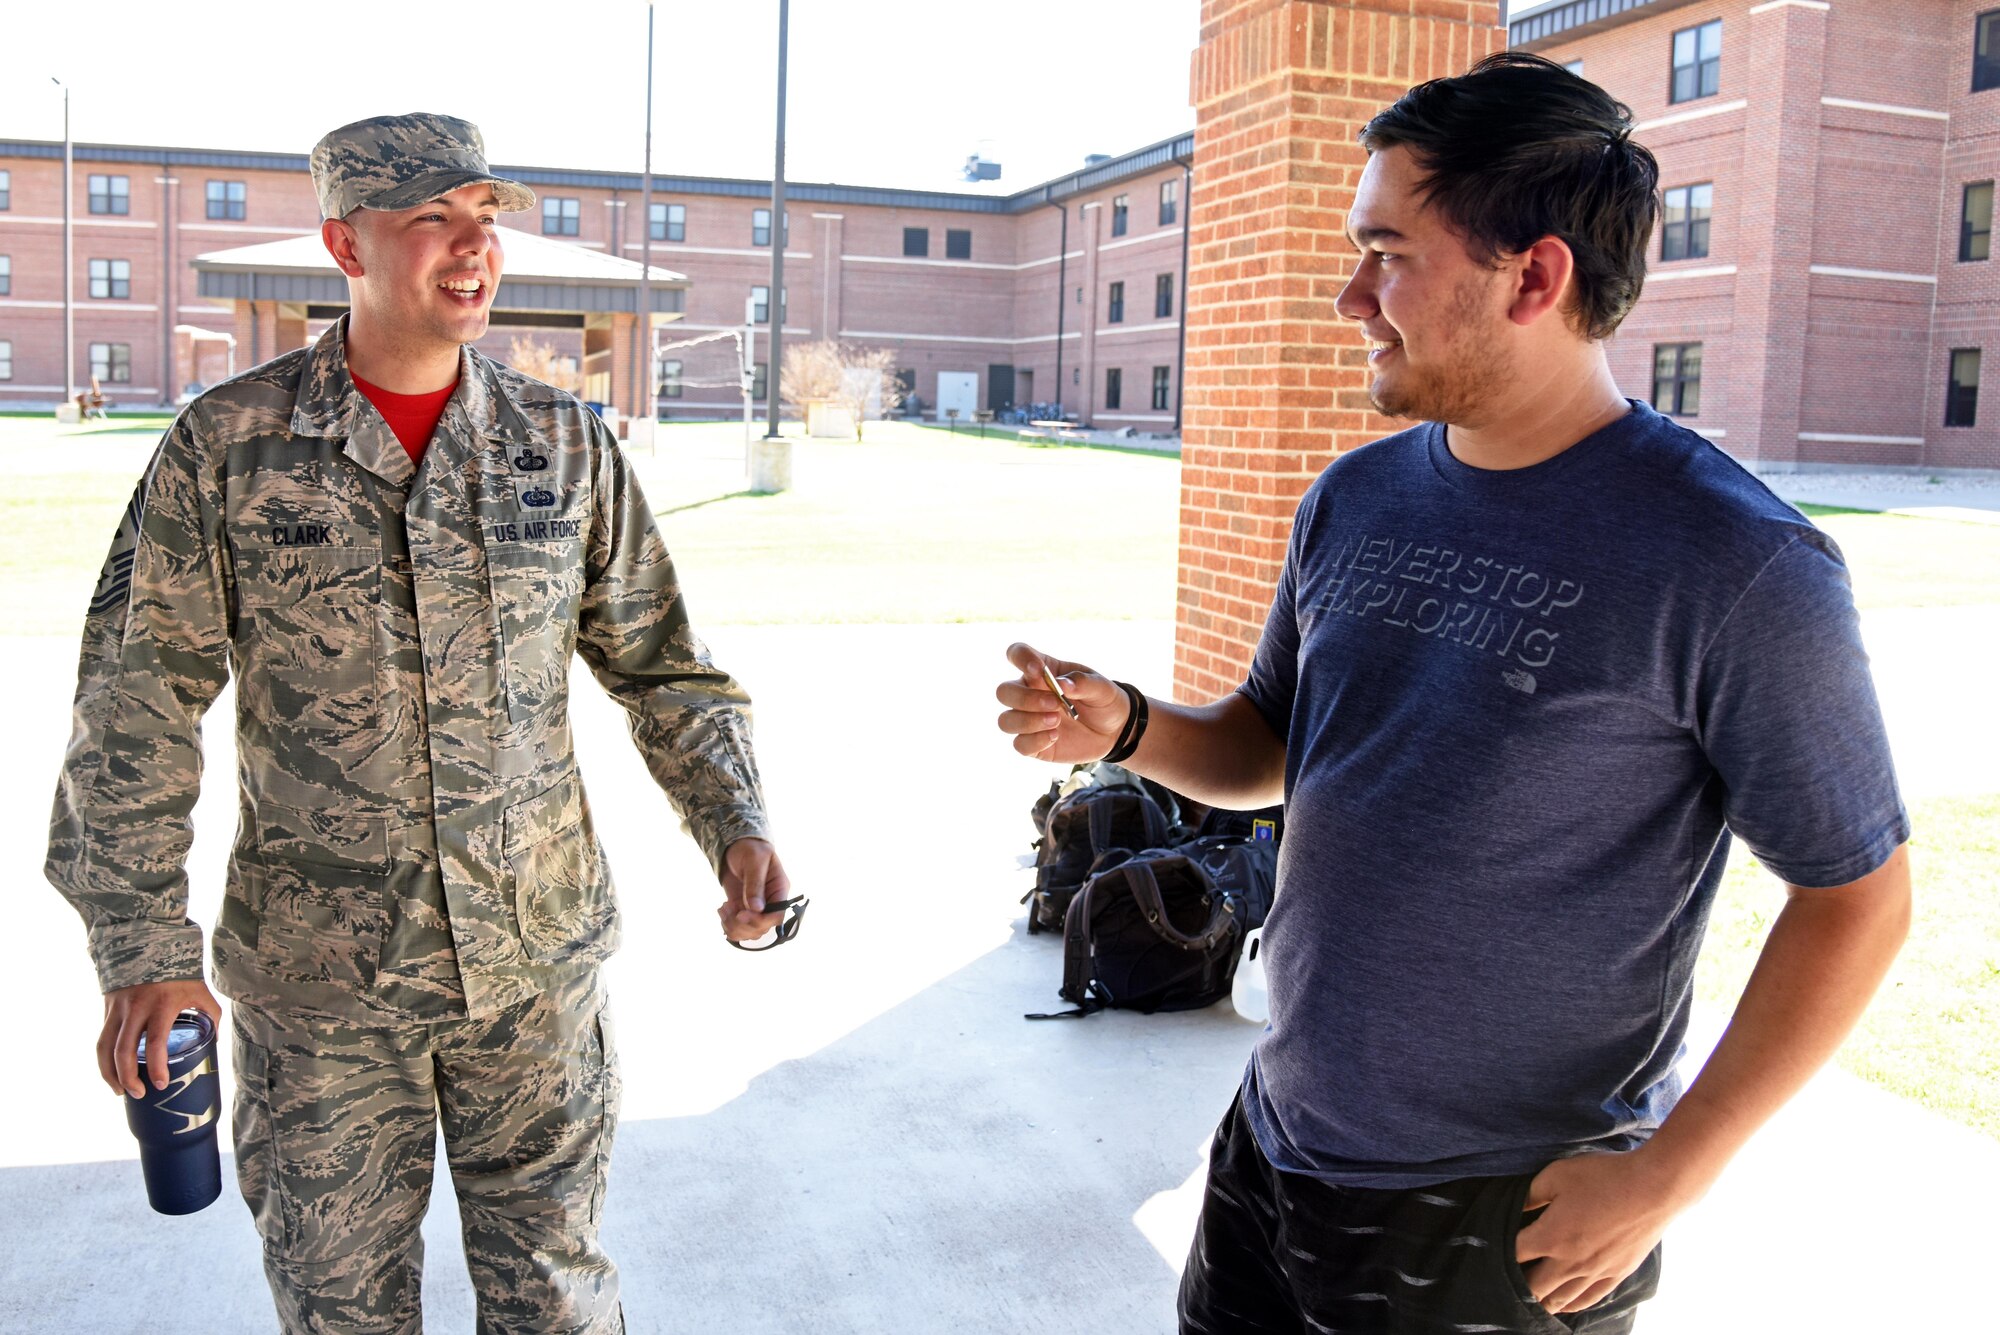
(1524, 711)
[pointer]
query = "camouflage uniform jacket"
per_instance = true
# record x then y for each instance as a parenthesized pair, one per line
(414, 842)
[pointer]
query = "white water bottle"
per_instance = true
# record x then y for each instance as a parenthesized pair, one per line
(1248, 994)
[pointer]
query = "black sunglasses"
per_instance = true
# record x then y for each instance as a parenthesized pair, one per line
(794, 910)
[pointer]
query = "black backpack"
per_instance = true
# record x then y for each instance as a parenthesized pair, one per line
(1216, 822)
(1077, 829)
(1153, 931)
(1246, 870)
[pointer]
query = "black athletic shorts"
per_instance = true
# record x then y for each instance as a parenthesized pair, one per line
(1285, 1252)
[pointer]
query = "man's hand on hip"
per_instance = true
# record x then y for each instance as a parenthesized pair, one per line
(149, 1010)
(1604, 1214)
(752, 876)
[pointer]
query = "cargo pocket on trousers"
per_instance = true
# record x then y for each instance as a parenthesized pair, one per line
(562, 897)
(612, 1087)
(251, 1133)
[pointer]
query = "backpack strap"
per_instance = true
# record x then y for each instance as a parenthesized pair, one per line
(1100, 828)
(1076, 961)
(1146, 894)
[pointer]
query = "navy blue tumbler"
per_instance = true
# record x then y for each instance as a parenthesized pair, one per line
(176, 1126)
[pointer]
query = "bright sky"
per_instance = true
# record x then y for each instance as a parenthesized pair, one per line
(881, 92)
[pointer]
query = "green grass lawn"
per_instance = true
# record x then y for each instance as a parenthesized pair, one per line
(1933, 1032)
(918, 524)
(914, 524)
(1912, 561)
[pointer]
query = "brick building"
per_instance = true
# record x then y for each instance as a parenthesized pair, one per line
(1069, 290)
(1821, 291)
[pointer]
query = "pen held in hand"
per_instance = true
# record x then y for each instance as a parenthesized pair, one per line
(1055, 686)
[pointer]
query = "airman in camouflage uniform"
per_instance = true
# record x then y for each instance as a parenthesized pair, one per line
(417, 900)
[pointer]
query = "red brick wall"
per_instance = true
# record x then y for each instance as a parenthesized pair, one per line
(1276, 379)
(1854, 364)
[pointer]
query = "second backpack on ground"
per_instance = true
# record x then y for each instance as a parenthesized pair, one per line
(1078, 828)
(1160, 930)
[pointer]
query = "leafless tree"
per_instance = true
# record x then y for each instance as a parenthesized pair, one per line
(862, 380)
(538, 357)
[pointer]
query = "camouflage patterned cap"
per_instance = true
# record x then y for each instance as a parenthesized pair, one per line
(399, 162)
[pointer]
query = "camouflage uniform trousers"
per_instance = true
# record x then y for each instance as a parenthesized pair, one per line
(335, 1126)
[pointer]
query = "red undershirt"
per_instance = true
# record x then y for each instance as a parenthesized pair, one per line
(413, 417)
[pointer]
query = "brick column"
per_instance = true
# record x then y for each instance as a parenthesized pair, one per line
(626, 359)
(1778, 188)
(1276, 381)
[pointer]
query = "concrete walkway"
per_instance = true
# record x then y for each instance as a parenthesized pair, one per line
(1967, 496)
(859, 1133)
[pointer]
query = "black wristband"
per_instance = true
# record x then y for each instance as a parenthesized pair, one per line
(1134, 729)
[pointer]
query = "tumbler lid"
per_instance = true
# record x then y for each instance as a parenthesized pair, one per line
(192, 1029)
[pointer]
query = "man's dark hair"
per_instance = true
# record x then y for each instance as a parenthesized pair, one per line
(1516, 149)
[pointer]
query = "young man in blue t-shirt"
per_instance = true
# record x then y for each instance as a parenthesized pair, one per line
(1530, 664)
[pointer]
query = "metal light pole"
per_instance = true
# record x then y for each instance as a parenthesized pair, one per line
(649, 406)
(777, 311)
(69, 253)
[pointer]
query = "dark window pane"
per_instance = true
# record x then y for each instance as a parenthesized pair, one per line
(1163, 296)
(1961, 395)
(670, 379)
(1170, 194)
(957, 244)
(1161, 385)
(1690, 396)
(1666, 357)
(1986, 51)
(1113, 388)
(1118, 215)
(916, 241)
(1117, 304)
(1975, 227)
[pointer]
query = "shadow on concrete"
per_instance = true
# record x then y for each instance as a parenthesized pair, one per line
(937, 1169)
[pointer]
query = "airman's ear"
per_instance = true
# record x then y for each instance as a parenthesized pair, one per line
(341, 240)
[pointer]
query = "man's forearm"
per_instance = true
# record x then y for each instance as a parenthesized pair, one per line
(1223, 754)
(1822, 963)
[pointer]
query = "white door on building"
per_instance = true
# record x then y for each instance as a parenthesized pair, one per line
(960, 390)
